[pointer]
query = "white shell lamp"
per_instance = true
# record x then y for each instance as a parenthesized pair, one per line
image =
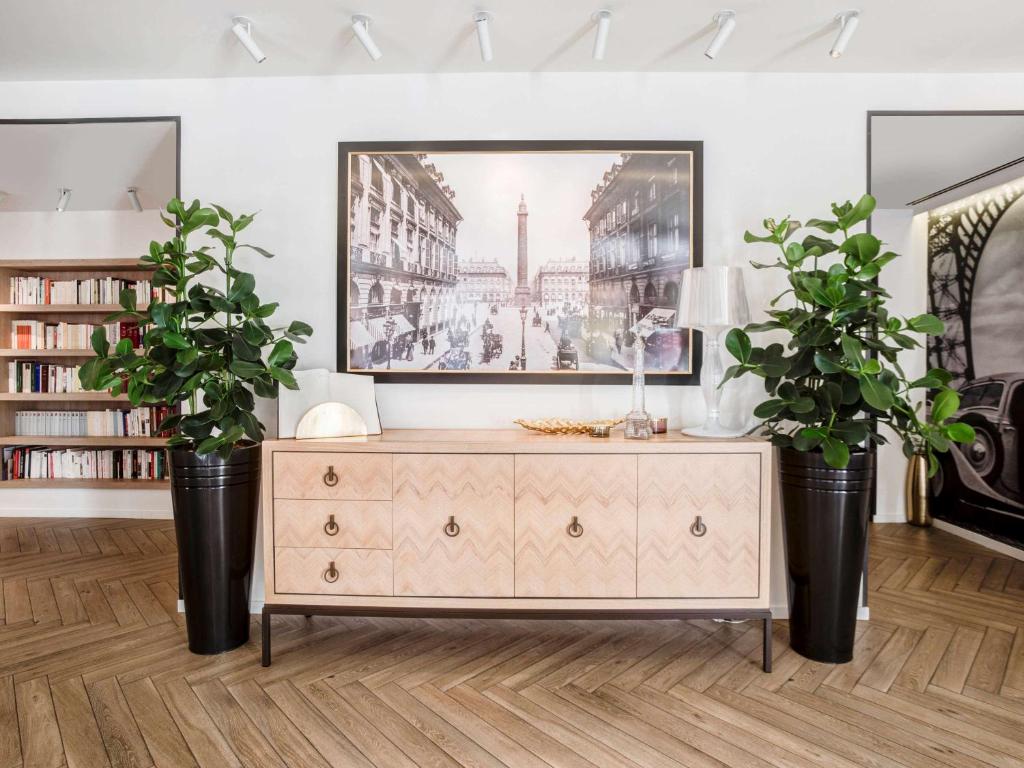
(712, 300)
(330, 420)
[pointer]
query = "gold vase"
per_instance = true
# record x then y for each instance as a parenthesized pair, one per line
(915, 491)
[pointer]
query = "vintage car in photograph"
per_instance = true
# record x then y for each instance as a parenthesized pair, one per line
(978, 485)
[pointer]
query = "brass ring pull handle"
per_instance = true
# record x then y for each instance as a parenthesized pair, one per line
(331, 574)
(330, 477)
(451, 528)
(331, 527)
(698, 528)
(574, 528)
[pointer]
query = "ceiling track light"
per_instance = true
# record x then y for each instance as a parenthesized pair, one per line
(133, 198)
(482, 20)
(64, 199)
(604, 23)
(848, 21)
(726, 21)
(242, 27)
(361, 28)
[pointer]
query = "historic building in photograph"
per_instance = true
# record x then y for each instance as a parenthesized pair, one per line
(562, 282)
(403, 262)
(483, 281)
(639, 222)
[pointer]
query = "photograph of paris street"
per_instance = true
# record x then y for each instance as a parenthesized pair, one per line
(516, 262)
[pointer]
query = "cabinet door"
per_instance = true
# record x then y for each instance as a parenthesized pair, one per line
(699, 525)
(453, 525)
(596, 556)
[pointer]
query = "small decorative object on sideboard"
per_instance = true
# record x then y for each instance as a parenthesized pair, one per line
(712, 300)
(839, 381)
(330, 420)
(565, 426)
(205, 347)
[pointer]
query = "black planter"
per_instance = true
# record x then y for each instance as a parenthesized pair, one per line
(215, 506)
(825, 521)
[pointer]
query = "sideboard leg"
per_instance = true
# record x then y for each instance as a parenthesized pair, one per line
(265, 629)
(766, 659)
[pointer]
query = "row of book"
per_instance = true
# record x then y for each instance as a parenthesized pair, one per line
(134, 422)
(34, 376)
(94, 290)
(33, 463)
(39, 334)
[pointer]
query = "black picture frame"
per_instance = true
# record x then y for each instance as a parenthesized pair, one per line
(346, 149)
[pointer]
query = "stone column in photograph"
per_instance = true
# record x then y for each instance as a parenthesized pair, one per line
(522, 298)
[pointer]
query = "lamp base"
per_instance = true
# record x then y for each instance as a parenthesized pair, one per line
(717, 430)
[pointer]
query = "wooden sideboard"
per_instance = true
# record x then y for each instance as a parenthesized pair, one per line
(516, 524)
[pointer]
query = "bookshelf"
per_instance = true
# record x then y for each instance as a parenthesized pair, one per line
(11, 402)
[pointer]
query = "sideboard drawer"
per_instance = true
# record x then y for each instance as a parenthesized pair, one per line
(575, 526)
(332, 523)
(453, 525)
(353, 476)
(319, 571)
(699, 525)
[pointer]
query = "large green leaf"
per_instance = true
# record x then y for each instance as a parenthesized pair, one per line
(837, 453)
(944, 405)
(243, 284)
(738, 344)
(877, 394)
(858, 213)
(928, 324)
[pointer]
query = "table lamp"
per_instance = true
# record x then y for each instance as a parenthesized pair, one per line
(712, 300)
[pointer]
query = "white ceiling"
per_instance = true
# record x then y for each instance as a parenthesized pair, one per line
(913, 156)
(97, 161)
(125, 39)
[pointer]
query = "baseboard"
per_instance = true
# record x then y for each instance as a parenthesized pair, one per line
(977, 538)
(126, 514)
(890, 518)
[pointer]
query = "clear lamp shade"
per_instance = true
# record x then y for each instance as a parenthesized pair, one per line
(713, 298)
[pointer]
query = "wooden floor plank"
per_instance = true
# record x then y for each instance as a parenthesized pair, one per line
(80, 734)
(163, 739)
(120, 732)
(37, 724)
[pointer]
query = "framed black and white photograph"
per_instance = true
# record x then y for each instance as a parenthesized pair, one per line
(975, 271)
(525, 262)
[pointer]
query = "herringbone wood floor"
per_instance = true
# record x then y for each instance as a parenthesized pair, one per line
(94, 672)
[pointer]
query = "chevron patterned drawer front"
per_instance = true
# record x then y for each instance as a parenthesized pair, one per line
(337, 524)
(317, 571)
(575, 526)
(699, 525)
(454, 525)
(322, 475)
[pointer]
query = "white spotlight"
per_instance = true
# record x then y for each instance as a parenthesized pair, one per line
(483, 34)
(133, 198)
(361, 28)
(726, 21)
(64, 199)
(848, 21)
(604, 23)
(242, 27)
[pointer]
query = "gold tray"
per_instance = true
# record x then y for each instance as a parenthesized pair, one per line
(565, 426)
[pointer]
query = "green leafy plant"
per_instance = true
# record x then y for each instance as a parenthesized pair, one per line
(208, 346)
(838, 377)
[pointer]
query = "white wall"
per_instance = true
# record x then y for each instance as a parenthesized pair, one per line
(906, 279)
(774, 144)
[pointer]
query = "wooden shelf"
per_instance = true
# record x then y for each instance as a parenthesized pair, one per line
(135, 485)
(53, 441)
(63, 309)
(62, 397)
(73, 265)
(36, 354)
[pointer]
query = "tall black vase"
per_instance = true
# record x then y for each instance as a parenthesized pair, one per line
(825, 519)
(215, 506)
